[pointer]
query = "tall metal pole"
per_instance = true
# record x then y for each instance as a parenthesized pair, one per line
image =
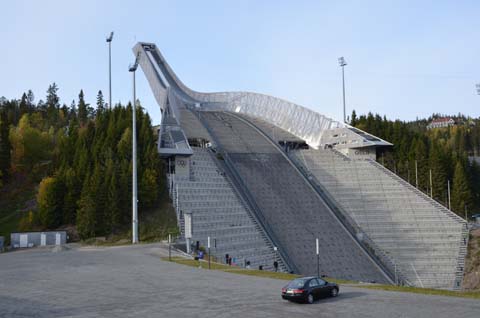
(134, 158)
(109, 40)
(448, 188)
(343, 84)
(416, 174)
(110, 74)
(342, 63)
(134, 168)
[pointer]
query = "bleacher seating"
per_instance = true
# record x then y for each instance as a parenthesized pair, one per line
(425, 240)
(217, 212)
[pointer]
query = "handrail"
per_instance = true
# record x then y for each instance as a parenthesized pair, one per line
(250, 201)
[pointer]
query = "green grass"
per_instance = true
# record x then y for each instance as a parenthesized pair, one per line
(426, 291)
(244, 271)
(286, 277)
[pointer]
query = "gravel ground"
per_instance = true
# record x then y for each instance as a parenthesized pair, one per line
(132, 281)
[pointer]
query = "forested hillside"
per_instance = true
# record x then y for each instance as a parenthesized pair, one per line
(447, 152)
(76, 160)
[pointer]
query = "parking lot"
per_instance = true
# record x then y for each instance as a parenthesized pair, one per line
(132, 281)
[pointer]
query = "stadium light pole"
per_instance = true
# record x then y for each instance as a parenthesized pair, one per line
(342, 63)
(109, 41)
(133, 68)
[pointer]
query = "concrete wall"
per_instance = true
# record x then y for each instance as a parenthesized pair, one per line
(31, 239)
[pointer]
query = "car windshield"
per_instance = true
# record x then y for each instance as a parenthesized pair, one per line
(297, 283)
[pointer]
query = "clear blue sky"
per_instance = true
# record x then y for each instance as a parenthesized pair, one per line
(405, 58)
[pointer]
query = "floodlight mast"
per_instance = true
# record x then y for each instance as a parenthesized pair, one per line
(342, 63)
(109, 41)
(133, 68)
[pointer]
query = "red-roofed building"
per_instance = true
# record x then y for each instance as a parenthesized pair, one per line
(441, 122)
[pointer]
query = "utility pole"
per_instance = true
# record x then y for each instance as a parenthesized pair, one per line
(342, 63)
(109, 41)
(132, 69)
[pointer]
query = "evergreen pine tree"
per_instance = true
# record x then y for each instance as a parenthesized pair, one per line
(353, 120)
(23, 106)
(439, 173)
(30, 101)
(461, 194)
(422, 164)
(82, 109)
(86, 210)
(72, 193)
(53, 104)
(100, 103)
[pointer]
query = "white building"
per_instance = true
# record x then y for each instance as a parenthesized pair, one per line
(441, 122)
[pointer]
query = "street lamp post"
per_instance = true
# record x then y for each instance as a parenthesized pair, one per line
(109, 41)
(132, 69)
(342, 63)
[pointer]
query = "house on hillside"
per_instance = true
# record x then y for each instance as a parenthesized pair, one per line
(441, 123)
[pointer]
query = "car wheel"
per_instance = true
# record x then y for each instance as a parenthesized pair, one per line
(334, 292)
(310, 299)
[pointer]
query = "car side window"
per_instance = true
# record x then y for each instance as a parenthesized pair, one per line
(313, 283)
(321, 282)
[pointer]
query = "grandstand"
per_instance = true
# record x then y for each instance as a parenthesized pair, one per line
(258, 172)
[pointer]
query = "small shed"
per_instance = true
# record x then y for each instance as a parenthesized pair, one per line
(32, 239)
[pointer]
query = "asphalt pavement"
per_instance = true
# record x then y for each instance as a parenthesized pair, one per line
(132, 281)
